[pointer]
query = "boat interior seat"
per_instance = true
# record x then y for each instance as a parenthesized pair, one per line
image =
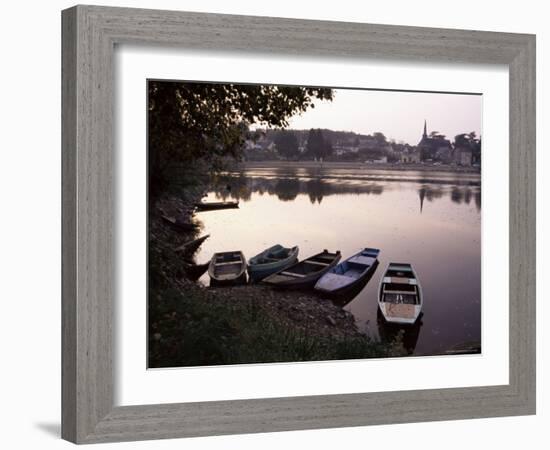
(292, 274)
(398, 280)
(227, 263)
(319, 263)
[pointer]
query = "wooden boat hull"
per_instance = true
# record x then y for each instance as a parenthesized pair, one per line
(212, 206)
(227, 269)
(304, 274)
(266, 263)
(401, 284)
(195, 271)
(349, 274)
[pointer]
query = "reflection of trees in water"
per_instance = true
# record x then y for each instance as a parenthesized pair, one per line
(461, 195)
(287, 188)
(457, 194)
(429, 193)
(316, 189)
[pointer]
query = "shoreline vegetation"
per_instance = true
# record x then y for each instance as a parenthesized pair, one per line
(194, 325)
(308, 164)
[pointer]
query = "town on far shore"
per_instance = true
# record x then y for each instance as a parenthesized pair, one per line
(433, 148)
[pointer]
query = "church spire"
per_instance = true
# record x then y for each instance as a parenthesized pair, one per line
(425, 135)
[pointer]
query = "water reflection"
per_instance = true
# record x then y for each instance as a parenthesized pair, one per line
(287, 189)
(408, 334)
(287, 185)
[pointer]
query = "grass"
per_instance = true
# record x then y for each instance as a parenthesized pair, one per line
(196, 330)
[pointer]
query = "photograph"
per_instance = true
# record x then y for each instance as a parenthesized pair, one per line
(309, 223)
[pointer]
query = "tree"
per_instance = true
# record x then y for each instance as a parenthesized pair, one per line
(380, 138)
(287, 144)
(437, 135)
(189, 121)
(462, 141)
(317, 146)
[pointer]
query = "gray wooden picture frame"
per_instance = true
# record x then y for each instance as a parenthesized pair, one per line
(89, 34)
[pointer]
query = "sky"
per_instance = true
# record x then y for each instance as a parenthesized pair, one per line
(399, 115)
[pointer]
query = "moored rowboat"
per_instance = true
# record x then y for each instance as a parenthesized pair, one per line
(349, 274)
(271, 260)
(400, 294)
(227, 268)
(305, 273)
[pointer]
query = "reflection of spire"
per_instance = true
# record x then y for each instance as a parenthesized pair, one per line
(421, 194)
(425, 135)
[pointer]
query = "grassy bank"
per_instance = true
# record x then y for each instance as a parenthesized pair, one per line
(199, 328)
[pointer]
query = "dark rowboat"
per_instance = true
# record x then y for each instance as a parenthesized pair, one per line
(195, 271)
(400, 294)
(271, 260)
(305, 273)
(227, 268)
(210, 206)
(192, 246)
(349, 274)
(178, 224)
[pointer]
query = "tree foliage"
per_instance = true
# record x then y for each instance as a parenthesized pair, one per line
(469, 141)
(210, 121)
(287, 144)
(437, 135)
(380, 138)
(317, 146)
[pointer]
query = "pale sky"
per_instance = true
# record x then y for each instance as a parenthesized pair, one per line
(399, 115)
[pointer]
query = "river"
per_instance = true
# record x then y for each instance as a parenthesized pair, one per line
(431, 219)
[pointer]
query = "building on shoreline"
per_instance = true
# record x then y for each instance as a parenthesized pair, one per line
(434, 147)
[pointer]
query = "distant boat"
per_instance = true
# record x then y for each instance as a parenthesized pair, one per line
(271, 260)
(349, 273)
(305, 273)
(400, 294)
(210, 206)
(227, 268)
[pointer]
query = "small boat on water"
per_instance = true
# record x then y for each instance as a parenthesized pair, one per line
(400, 294)
(271, 260)
(349, 273)
(211, 206)
(305, 273)
(227, 268)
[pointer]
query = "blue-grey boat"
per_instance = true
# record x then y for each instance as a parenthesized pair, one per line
(271, 260)
(350, 273)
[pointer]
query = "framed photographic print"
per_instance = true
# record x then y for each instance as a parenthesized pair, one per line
(276, 224)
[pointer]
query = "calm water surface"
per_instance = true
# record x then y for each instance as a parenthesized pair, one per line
(430, 219)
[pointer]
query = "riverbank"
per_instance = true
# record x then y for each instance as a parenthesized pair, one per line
(357, 165)
(192, 325)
